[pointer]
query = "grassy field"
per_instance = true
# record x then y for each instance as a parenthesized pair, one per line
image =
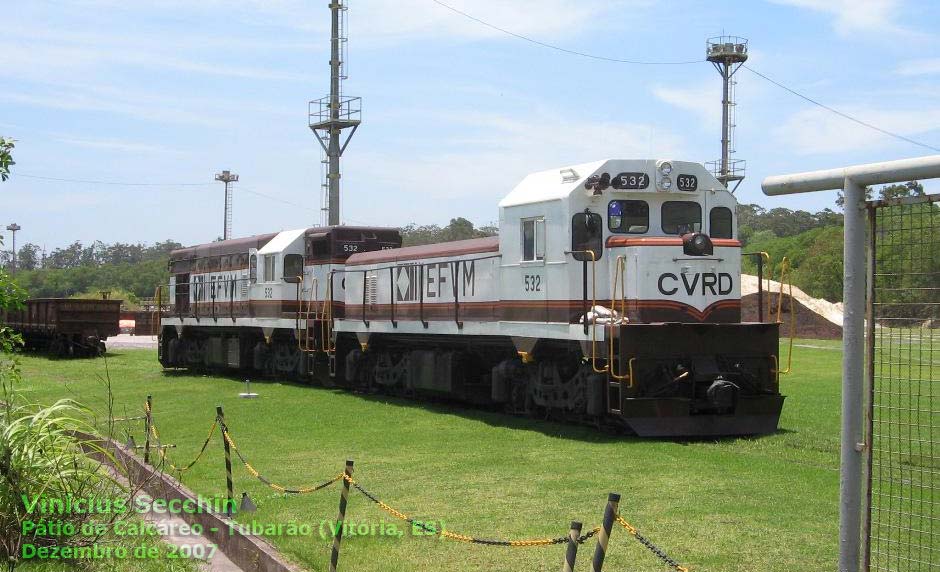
(767, 503)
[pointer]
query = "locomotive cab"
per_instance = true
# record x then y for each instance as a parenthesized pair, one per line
(651, 250)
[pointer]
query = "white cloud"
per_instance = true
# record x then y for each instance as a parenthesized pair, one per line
(471, 175)
(117, 145)
(855, 15)
(817, 131)
(412, 19)
(701, 102)
(926, 66)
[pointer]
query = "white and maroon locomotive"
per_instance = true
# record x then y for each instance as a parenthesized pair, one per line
(611, 296)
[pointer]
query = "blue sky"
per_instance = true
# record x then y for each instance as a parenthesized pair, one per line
(454, 113)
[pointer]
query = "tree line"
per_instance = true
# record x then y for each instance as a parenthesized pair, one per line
(132, 271)
(32, 257)
(813, 242)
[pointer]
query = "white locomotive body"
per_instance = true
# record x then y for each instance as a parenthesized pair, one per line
(612, 295)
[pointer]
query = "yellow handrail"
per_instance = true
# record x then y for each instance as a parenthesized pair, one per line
(785, 272)
(303, 336)
(619, 276)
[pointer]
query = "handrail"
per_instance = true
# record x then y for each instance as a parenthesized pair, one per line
(593, 257)
(391, 295)
(303, 335)
(365, 286)
(619, 272)
(326, 324)
(786, 271)
(762, 257)
(454, 276)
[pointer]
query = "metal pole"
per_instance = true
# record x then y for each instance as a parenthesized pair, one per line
(229, 485)
(610, 513)
(334, 147)
(13, 227)
(228, 178)
(572, 552)
(226, 231)
(341, 519)
(870, 379)
(853, 342)
(148, 423)
(725, 106)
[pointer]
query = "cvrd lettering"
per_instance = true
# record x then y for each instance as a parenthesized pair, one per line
(716, 284)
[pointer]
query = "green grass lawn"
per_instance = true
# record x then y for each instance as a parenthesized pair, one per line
(768, 503)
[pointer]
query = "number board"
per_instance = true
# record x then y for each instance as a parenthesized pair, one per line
(687, 182)
(630, 181)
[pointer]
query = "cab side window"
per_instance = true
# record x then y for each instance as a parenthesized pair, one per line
(632, 217)
(681, 217)
(587, 235)
(293, 267)
(253, 269)
(720, 223)
(269, 260)
(533, 239)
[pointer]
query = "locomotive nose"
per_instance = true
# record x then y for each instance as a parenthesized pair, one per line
(697, 244)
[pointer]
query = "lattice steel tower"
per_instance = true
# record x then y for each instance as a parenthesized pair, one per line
(727, 53)
(330, 115)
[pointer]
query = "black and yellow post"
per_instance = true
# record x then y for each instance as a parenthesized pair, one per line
(573, 534)
(148, 421)
(341, 519)
(229, 485)
(610, 514)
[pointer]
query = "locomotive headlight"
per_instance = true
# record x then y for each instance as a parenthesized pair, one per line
(697, 244)
(665, 183)
(665, 167)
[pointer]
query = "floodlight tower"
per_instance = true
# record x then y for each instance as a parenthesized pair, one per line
(13, 227)
(228, 178)
(330, 115)
(727, 53)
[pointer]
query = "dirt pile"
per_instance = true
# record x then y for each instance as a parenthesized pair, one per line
(815, 318)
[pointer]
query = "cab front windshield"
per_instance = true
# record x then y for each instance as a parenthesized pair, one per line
(681, 217)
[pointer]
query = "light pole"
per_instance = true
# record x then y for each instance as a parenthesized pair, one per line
(228, 178)
(13, 227)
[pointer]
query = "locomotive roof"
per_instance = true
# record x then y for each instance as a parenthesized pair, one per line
(222, 247)
(560, 183)
(258, 241)
(453, 248)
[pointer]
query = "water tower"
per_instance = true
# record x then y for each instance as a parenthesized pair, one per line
(727, 53)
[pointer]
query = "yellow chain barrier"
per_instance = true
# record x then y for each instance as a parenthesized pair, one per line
(162, 449)
(463, 537)
(650, 546)
(279, 488)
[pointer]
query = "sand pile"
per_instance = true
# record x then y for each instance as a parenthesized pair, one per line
(815, 317)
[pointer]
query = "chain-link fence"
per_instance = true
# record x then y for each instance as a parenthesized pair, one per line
(903, 532)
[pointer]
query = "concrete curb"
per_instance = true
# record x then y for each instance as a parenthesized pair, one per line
(250, 553)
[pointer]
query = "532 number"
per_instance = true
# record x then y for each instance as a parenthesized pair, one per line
(533, 283)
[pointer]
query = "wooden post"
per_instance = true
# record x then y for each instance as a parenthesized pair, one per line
(147, 424)
(610, 513)
(341, 519)
(572, 552)
(229, 485)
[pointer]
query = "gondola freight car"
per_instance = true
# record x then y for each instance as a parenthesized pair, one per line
(66, 327)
